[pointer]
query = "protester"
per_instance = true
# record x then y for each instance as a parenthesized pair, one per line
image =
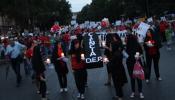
(168, 34)
(60, 66)
(117, 68)
(108, 55)
(39, 68)
(14, 51)
(78, 67)
(132, 48)
(152, 46)
(27, 60)
(162, 27)
(65, 41)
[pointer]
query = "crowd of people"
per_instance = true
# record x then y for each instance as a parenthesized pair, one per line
(34, 51)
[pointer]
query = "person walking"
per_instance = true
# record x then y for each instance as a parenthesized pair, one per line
(117, 69)
(132, 47)
(60, 66)
(14, 51)
(39, 69)
(78, 67)
(152, 46)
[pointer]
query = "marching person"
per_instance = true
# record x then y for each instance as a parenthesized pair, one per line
(168, 34)
(108, 55)
(131, 48)
(78, 67)
(14, 51)
(39, 69)
(60, 66)
(152, 45)
(117, 68)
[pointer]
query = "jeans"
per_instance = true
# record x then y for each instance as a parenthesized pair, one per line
(80, 80)
(27, 66)
(62, 80)
(155, 59)
(118, 88)
(16, 68)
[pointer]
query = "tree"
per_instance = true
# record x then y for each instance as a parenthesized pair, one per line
(113, 9)
(30, 13)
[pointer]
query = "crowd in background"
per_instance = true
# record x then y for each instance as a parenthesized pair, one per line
(34, 50)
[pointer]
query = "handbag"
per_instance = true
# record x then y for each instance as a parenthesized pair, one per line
(138, 71)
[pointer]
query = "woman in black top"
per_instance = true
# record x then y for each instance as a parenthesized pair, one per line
(152, 53)
(60, 66)
(39, 69)
(131, 48)
(117, 68)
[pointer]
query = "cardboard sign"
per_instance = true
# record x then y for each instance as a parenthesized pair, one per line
(163, 18)
(118, 23)
(73, 22)
(150, 19)
(142, 29)
(142, 19)
(93, 56)
(92, 24)
(86, 23)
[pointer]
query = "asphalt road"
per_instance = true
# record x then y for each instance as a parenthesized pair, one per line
(164, 90)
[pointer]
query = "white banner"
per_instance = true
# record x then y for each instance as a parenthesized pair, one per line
(118, 22)
(150, 19)
(142, 29)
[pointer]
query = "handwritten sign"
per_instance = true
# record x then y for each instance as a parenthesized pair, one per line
(142, 29)
(93, 57)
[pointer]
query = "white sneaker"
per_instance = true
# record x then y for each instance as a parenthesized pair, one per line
(65, 89)
(78, 96)
(120, 99)
(141, 96)
(44, 99)
(159, 79)
(61, 90)
(82, 96)
(132, 95)
(147, 81)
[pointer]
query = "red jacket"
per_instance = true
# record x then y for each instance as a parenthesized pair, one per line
(77, 65)
(66, 38)
(29, 53)
(163, 26)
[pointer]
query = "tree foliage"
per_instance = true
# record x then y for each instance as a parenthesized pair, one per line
(30, 13)
(113, 9)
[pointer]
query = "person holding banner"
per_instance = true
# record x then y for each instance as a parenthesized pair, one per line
(117, 68)
(78, 67)
(131, 48)
(152, 45)
(60, 66)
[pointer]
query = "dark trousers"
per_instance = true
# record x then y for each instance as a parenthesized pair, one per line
(62, 80)
(86, 76)
(118, 87)
(42, 84)
(27, 66)
(80, 80)
(155, 60)
(16, 68)
(163, 37)
(139, 83)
